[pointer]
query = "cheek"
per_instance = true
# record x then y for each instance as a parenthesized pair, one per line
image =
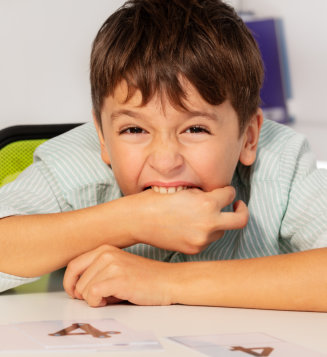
(215, 166)
(126, 165)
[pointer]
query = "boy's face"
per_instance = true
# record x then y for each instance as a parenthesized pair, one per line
(159, 146)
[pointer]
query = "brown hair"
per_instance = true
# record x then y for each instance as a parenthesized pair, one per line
(152, 43)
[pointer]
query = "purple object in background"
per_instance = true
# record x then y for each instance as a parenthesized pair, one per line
(276, 88)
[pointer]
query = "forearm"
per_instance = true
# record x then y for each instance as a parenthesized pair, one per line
(286, 282)
(34, 245)
(37, 244)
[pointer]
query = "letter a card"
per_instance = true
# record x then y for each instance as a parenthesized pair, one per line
(244, 345)
(104, 334)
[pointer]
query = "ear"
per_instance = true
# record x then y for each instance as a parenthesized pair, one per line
(104, 152)
(251, 139)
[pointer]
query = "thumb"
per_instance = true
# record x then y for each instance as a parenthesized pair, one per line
(224, 196)
(242, 211)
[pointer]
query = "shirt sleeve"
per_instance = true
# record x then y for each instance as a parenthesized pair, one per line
(304, 225)
(34, 191)
(31, 193)
(8, 281)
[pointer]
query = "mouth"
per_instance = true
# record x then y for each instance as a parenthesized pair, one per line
(170, 189)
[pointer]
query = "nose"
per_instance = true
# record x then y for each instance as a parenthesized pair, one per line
(165, 157)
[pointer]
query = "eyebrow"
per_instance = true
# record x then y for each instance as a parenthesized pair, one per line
(116, 114)
(208, 115)
(190, 114)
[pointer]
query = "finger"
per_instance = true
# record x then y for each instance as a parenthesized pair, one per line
(100, 293)
(93, 271)
(73, 271)
(240, 206)
(76, 268)
(234, 220)
(224, 196)
(70, 279)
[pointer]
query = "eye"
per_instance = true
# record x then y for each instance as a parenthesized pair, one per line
(132, 130)
(197, 129)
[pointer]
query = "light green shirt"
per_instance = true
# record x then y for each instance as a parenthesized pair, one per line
(285, 192)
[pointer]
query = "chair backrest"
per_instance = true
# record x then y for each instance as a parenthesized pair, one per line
(17, 145)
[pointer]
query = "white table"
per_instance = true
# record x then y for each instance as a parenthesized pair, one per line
(304, 328)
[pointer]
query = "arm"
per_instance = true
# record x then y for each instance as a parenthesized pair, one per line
(37, 244)
(33, 245)
(296, 281)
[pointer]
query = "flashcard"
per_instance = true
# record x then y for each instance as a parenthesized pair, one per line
(105, 334)
(244, 345)
(13, 340)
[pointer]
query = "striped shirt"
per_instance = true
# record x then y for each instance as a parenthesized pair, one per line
(285, 192)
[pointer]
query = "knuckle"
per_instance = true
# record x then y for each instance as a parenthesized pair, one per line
(115, 270)
(106, 248)
(94, 290)
(106, 257)
(71, 266)
(208, 204)
(197, 244)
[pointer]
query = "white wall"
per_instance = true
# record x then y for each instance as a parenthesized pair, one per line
(44, 59)
(45, 47)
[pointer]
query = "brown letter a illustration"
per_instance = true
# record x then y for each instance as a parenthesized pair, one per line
(88, 330)
(265, 351)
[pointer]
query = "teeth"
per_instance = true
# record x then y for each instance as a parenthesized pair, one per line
(162, 190)
(172, 190)
(169, 190)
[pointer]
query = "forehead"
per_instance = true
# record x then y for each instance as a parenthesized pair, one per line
(192, 101)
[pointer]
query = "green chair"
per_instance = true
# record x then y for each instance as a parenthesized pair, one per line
(17, 145)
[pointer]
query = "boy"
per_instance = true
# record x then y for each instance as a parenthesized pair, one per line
(214, 197)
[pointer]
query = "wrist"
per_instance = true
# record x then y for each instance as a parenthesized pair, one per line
(177, 282)
(113, 221)
(136, 218)
(168, 282)
(128, 220)
(190, 283)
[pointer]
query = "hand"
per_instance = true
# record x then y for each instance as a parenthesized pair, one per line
(186, 221)
(108, 275)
